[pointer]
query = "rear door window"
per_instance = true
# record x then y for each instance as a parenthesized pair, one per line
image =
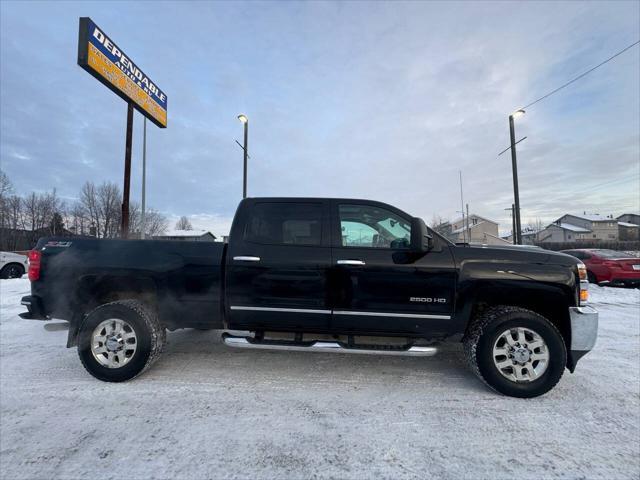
(279, 223)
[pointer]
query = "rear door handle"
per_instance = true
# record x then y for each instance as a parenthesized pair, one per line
(245, 258)
(350, 262)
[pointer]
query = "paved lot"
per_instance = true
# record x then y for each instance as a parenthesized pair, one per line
(204, 411)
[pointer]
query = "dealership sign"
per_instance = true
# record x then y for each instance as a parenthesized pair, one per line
(103, 59)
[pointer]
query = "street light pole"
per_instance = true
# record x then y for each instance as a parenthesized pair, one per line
(514, 166)
(245, 121)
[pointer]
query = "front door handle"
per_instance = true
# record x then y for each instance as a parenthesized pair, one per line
(245, 258)
(350, 262)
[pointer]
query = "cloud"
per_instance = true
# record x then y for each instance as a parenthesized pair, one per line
(387, 101)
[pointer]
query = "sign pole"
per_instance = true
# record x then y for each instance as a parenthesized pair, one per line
(124, 226)
(144, 177)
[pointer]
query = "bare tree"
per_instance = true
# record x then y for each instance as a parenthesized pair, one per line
(441, 226)
(88, 207)
(183, 224)
(100, 208)
(155, 222)
(109, 209)
(6, 189)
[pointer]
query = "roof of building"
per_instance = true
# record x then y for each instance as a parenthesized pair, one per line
(592, 217)
(476, 216)
(186, 233)
(571, 228)
(465, 228)
(627, 224)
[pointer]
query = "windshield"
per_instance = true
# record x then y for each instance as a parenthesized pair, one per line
(610, 254)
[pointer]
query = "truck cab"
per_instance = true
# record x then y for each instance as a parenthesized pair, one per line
(326, 265)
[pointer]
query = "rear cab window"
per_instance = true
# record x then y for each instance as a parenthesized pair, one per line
(281, 223)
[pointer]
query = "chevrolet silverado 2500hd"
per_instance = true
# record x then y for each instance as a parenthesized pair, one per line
(313, 274)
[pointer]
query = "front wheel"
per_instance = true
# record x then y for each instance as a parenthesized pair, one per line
(119, 340)
(515, 351)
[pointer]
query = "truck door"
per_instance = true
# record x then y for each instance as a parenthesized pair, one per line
(277, 262)
(378, 287)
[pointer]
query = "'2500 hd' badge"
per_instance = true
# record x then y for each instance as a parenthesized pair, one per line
(427, 300)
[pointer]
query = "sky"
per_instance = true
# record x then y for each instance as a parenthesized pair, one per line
(380, 100)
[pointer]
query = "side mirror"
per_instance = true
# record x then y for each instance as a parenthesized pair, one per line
(421, 240)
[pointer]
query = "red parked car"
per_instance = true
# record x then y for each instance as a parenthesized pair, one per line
(609, 266)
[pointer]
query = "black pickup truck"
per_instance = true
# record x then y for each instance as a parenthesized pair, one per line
(313, 274)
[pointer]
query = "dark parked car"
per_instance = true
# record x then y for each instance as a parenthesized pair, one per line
(332, 275)
(609, 266)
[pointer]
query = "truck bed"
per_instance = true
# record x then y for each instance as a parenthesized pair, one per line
(177, 276)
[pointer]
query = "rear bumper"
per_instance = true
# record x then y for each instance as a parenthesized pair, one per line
(622, 277)
(34, 307)
(630, 279)
(584, 332)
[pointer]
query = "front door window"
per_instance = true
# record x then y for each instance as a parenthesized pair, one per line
(373, 227)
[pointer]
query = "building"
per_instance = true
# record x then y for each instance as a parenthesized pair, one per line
(571, 228)
(529, 236)
(633, 218)
(476, 229)
(559, 232)
(187, 235)
(629, 227)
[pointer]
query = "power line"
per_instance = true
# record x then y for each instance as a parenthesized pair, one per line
(580, 76)
(621, 180)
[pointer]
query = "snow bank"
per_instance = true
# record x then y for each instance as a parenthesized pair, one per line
(206, 411)
(613, 295)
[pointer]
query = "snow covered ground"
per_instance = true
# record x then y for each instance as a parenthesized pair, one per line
(204, 411)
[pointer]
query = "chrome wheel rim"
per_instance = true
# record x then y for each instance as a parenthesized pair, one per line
(113, 343)
(521, 355)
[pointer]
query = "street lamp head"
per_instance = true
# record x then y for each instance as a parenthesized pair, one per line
(518, 113)
(243, 118)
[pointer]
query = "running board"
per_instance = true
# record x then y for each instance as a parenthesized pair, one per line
(324, 346)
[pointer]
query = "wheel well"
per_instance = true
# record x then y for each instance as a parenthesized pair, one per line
(17, 264)
(552, 304)
(97, 291)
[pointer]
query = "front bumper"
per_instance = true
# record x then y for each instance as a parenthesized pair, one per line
(584, 332)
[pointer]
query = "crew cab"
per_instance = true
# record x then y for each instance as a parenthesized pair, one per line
(314, 274)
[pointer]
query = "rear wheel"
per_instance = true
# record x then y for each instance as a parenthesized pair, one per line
(591, 277)
(118, 341)
(12, 270)
(516, 351)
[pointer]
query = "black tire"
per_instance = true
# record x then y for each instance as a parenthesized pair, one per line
(485, 330)
(591, 277)
(151, 337)
(12, 270)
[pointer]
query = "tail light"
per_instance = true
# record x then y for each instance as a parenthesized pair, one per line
(34, 264)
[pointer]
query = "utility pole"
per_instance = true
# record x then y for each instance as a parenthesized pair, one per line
(124, 221)
(464, 232)
(514, 167)
(513, 223)
(468, 229)
(144, 177)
